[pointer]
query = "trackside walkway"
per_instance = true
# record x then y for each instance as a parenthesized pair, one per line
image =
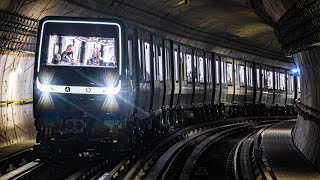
(282, 155)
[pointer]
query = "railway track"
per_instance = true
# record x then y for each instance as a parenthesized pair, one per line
(247, 159)
(141, 166)
(16, 160)
(171, 154)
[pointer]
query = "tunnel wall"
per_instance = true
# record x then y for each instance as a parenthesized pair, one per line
(16, 76)
(298, 31)
(306, 134)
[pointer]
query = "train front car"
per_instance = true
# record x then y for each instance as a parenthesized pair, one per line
(77, 84)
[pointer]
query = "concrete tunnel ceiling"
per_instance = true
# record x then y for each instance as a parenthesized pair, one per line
(231, 24)
(231, 19)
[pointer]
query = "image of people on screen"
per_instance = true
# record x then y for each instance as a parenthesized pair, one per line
(81, 51)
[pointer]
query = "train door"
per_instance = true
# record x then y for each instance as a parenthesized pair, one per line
(196, 78)
(239, 82)
(223, 79)
(158, 74)
(146, 71)
(133, 70)
(290, 88)
(176, 74)
(258, 83)
(264, 84)
(208, 79)
(167, 73)
(276, 86)
(186, 77)
(282, 86)
(230, 79)
(270, 85)
(201, 77)
(142, 103)
(249, 82)
(298, 86)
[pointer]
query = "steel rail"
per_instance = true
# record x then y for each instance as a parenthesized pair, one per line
(164, 163)
(22, 171)
(238, 168)
(258, 154)
(145, 162)
(200, 149)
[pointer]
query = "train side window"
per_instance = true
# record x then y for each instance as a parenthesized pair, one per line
(277, 80)
(147, 58)
(249, 76)
(258, 78)
(298, 83)
(167, 64)
(270, 79)
(222, 72)
(241, 75)
(176, 65)
(189, 68)
(229, 74)
(236, 74)
(289, 83)
(130, 58)
(155, 62)
(291, 78)
(195, 64)
(201, 70)
(140, 57)
(282, 82)
(208, 68)
(263, 75)
(217, 72)
(182, 66)
(265, 79)
(160, 64)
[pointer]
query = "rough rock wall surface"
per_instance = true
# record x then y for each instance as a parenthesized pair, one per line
(306, 134)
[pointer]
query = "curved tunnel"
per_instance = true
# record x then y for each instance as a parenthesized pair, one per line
(255, 30)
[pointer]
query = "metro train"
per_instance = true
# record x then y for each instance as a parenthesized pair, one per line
(101, 86)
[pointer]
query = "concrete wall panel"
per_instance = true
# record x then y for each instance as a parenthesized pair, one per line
(16, 76)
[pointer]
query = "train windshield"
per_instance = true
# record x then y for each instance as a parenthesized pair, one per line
(81, 51)
(80, 44)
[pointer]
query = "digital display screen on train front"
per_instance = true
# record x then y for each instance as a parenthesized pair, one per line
(81, 51)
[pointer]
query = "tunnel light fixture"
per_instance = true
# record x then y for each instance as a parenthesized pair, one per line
(78, 89)
(295, 70)
(186, 2)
